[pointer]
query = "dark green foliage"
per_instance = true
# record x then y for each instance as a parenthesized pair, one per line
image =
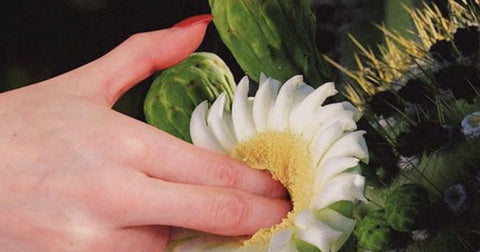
(415, 91)
(461, 80)
(425, 136)
(405, 205)
(443, 50)
(384, 103)
(467, 40)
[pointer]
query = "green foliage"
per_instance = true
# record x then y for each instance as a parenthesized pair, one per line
(344, 207)
(404, 206)
(373, 231)
(274, 37)
(303, 246)
(176, 91)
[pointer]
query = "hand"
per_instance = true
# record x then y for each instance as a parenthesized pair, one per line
(78, 176)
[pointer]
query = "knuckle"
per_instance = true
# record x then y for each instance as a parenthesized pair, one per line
(226, 175)
(230, 211)
(132, 146)
(138, 38)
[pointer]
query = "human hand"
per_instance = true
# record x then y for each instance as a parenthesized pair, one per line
(78, 176)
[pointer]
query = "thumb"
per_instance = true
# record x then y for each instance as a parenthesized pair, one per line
(109, 77)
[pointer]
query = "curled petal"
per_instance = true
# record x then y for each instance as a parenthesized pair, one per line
(332, 167)
(314, 231)
(319, 117)
(352, 144)
(282, 242)
(348, 106)
(302, 91)
(199, 131)
(329, 133)
(241, 112)
(338, 222)
(279, 116)
(307, 107)
(263, 104)
(219, 123)
(345, 186)
(263, 78)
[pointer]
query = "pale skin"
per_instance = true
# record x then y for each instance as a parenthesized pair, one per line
(78, 176)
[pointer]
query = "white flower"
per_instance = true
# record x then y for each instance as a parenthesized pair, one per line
(311, 148)
(471, 125)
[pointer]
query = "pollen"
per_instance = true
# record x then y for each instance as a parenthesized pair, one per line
(287, 157)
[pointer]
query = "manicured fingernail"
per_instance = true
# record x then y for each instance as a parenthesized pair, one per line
(204, 18)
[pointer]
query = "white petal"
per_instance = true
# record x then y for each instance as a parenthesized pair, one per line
(350, 145)
(330, 168)
(241, 112)
(315, 232)
(218, 124)
(308, 106)
(281, 241)
(338, 222)
(262, 79)
(320, 116)
(276, 82)
(263, 104)
(348, 106)
(301, 93)
(345, 186)
(199, 131)
(280, 114)
(329, 133)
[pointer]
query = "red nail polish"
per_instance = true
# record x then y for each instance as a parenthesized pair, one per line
(204, 18)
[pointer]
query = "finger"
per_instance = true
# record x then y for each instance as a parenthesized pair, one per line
(215, 210)
(163, 156)
(142, 238)
(110, 76)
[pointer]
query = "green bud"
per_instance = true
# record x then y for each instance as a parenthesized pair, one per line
(174, 94)
(373, 231)
(275, 37)
(404, 205)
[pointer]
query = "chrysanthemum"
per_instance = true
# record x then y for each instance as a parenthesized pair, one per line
(312, 149)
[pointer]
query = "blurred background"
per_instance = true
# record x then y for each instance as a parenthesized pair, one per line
(42, 39)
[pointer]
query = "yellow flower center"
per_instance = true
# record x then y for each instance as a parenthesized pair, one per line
(287, 157)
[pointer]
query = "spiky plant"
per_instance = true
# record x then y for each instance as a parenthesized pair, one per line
(175, 92)
(421, 101)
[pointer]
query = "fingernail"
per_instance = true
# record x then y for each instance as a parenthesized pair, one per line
(204, 18)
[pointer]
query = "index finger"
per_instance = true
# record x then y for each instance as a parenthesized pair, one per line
(109, 77)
